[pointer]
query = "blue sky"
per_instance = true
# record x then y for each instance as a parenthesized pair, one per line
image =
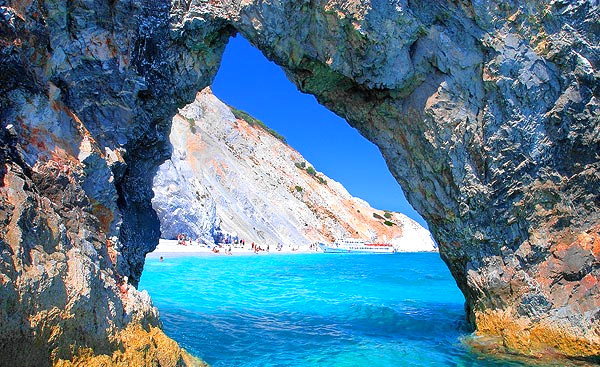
(250, 82)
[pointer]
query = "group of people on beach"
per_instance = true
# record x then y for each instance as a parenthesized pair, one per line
(217, 248)
(256, 248)
(226, 244)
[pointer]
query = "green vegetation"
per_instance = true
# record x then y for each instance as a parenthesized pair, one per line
(192, 124)
(301, 165)
(442, 16)
(252, 121)
(388, 223)
(388, 215)
(298, 188)
(377, 216)
(421, 31)
(311, 171)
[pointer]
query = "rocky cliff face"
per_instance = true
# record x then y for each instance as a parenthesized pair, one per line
(486, 112)
(222, 166)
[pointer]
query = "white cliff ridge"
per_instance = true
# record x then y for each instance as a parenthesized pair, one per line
(230, 175)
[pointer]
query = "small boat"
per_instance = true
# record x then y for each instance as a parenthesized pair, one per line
(352, 245)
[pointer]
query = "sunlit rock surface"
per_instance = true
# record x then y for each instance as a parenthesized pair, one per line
(230, 176)
(485, 111)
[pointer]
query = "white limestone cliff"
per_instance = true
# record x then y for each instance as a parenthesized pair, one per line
(231, 176)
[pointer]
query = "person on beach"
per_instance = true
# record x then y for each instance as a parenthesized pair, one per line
(181, 239)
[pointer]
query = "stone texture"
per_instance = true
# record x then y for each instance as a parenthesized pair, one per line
(140, 347)
(222, 166)
(486, 112)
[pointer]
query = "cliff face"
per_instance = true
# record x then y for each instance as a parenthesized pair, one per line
(486, 112)
(222, 166)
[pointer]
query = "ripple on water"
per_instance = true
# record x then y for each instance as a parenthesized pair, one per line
(313, 310)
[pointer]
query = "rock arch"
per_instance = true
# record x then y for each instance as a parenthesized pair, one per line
(486, 113)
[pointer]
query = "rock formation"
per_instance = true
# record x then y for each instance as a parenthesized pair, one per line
(485, 111)
(222, 166)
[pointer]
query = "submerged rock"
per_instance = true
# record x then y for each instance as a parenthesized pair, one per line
(221, 167)
(485, 111)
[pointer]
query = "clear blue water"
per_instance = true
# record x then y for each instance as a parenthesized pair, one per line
(313, 310)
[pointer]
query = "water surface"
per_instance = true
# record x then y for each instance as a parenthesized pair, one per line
(313, 310)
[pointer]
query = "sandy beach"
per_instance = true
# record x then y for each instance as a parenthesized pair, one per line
(170, 248)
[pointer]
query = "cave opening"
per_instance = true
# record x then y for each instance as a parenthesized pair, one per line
(248, 81)
(315, 141)
(244, 129)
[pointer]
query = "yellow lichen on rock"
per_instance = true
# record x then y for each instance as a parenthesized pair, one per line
(138, 347)
(538, 340)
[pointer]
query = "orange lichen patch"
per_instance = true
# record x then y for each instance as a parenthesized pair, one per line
(63, 157)
(112, 252)
(535, 339)
(100, 46)
(589, 239)
(36, 139)
(586, 292)
(589, 281)
(46, 144)
(84, 141)
(83, 131)
(60, 163)
(104, 215)
(585, 242)
(138, 347)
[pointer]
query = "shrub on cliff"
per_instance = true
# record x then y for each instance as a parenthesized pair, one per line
(252, 121)
(300, 165)
(377, 216)
(192, 123)
(388, 223)
(311, 171)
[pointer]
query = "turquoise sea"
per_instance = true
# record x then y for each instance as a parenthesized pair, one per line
(313, 310)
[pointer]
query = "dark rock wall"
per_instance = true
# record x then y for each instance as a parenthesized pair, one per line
(486, 112)
(88, 90)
